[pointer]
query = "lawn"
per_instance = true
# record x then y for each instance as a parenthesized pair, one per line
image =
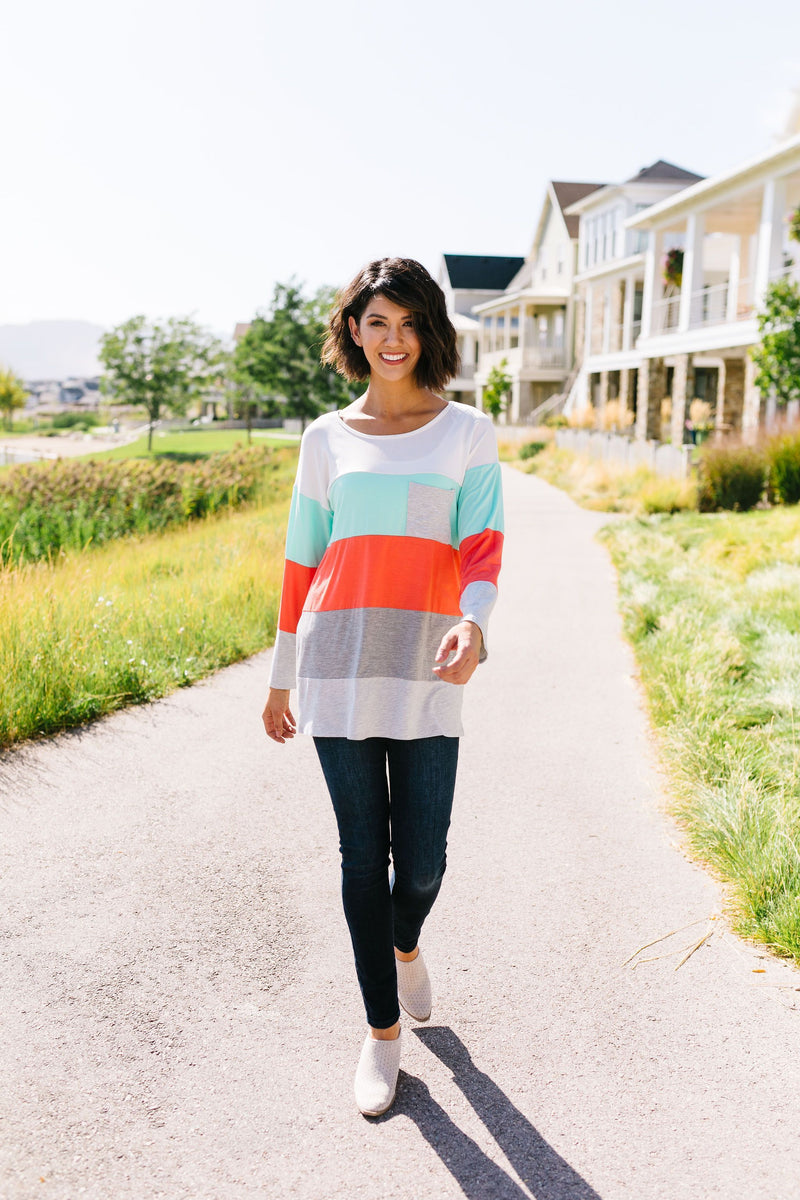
(196, 443)
(710, 603)
(96, 630)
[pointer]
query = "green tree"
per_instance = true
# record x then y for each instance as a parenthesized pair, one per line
(279, 356)
(161, 366)
(495, 394)
(12, 395)
(777, 357)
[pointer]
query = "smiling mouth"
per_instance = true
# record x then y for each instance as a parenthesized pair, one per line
(394, 358)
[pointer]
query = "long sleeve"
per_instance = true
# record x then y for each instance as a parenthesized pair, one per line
(307, 538)
(480, 529)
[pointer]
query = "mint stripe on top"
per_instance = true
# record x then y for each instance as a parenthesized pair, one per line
(480, 505)
(309, 530)
(365, 503)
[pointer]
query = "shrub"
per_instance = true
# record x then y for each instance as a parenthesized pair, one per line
(784, 467)
(557, 421)
(75, 420)
(668, 495)
(531, 449)
(731, 477)
(47, 507)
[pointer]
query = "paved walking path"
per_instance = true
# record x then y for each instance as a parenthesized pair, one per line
(180, 1015)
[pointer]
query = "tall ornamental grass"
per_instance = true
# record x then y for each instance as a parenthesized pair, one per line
(92, 632)
(71, 504)
(711, 605)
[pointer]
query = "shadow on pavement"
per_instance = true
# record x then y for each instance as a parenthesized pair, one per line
(541, 1169)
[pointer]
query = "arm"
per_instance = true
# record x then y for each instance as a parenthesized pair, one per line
(307, 538)
(480, 543)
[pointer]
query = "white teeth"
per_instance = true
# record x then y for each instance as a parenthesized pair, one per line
(393, 357)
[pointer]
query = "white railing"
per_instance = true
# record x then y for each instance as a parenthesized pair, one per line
(545, 357)
(467, 370)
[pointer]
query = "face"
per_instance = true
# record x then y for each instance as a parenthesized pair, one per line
(387, 336)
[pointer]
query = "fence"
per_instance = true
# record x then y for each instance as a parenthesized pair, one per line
(627, 453)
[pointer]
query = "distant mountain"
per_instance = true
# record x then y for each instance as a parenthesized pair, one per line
(51, 349)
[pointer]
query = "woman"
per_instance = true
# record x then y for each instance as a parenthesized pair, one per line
(392, 556)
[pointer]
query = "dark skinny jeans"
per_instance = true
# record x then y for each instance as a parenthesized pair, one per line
(405, 817)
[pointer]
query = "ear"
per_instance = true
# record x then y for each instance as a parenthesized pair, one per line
(351, 321)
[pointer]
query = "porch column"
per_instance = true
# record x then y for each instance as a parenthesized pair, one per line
(734, 274)
(507, 330)
(730, 405)
(652, 281)
(521, 331)
(652, 384)
(603, 390)
(692, 281)
(624, 390)
(588, 316)
(627, 313)
(682, 391)
(768, 253)
(608, 319)
(752, 400)
(513, 408)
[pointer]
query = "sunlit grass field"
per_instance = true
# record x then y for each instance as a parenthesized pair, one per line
(98, 630)
(711, 604)
(194, 443)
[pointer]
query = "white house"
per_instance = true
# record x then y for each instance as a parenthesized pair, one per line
(610, 283)
(734, 233)
(530, 326)
(469, 279)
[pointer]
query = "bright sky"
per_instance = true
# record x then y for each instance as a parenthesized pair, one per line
(181, 156)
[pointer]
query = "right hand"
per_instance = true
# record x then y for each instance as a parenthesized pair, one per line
(277, 716)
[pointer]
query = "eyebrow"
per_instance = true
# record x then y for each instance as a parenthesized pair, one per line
(380, 316)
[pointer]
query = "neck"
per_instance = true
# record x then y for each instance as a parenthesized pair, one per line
(394, 400)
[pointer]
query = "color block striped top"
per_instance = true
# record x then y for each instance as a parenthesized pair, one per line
(391, 541)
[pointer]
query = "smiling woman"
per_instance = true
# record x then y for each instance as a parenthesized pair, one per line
(392, 556)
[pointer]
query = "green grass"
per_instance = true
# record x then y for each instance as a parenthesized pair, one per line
(135, 619)
(74, 503)
(193, 443)
(711, 604)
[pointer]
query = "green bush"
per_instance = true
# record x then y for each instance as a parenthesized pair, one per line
(75, 420)
(784, 467)
(531, 449)
(47, 507)
(556, 421)
(731, 477)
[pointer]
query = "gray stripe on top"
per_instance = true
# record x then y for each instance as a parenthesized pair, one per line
(363, 643)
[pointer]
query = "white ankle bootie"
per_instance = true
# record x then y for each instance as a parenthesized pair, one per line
(414, 987)
(376, 1076)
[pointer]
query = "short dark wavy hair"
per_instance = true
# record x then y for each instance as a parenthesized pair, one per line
(406, 283)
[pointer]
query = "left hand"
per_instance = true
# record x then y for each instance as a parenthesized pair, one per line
(466, 640)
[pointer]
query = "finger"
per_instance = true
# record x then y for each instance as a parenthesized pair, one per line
(448, 643)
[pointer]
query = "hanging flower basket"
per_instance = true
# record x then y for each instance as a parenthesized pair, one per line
(673, 268)
(794, 224)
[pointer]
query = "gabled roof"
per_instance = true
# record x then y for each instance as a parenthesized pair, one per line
(567, 193)
(662, 172)
(481, 272)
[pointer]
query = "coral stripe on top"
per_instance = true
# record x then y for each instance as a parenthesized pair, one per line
(296, 582)
(380, 571)
(480, 557)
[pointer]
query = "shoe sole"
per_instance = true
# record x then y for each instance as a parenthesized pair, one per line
(414, 1016)
(365, 1112)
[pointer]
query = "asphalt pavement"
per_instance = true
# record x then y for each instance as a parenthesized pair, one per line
(180, 1016)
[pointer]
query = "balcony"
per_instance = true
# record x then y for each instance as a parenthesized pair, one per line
(710, 306)
(534, 358)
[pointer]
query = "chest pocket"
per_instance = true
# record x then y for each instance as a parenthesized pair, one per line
(430, 512)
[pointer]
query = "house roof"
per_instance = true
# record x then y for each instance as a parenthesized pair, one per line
(783, 157)
(661, 172)
(240, 329)
(481, 272)
(568, 192)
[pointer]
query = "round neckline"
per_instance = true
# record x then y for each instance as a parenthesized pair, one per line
(386, 437)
